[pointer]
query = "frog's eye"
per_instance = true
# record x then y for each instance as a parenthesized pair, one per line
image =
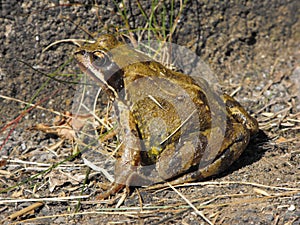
(99, 59)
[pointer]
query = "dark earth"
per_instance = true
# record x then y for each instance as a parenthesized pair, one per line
(252, 46)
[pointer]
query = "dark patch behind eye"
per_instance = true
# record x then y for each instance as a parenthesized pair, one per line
(113, 75)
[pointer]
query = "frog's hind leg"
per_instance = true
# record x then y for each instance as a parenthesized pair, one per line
(216, 167)
(230, 154)
(240, 114)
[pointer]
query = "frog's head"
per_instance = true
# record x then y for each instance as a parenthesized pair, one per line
(96, 60)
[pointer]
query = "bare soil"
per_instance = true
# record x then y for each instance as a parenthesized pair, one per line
(252, 46)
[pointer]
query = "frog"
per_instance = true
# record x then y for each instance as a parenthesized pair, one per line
(172, 126)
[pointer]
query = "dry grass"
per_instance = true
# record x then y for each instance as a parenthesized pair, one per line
(55, 177)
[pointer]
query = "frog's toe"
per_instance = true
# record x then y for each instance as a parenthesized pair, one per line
(115, 188)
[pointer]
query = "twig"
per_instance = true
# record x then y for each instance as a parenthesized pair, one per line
(25, 210)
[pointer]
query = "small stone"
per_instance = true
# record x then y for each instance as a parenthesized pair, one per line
(269, 217)
(23, 146)
(292, 208)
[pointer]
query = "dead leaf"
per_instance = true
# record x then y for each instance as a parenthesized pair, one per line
(280, 140)
(17, 194)
(3, 162)
(65, 127)
(58, 178)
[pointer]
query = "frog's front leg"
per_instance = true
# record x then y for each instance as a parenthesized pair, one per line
(129, 153)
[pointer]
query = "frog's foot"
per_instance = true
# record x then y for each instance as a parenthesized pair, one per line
(115, 188)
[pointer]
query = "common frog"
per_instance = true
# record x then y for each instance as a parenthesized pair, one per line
(172, 126)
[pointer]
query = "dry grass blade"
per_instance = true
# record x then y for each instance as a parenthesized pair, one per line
(97, 168)
(101, 121)
(26, 163)
(74, 41)
(239, 182)
(126, 213)
(31, 104)
(163, 141)
(155, 101)
(253, 200)
(55, 199)
(161, 187)
(190, 204)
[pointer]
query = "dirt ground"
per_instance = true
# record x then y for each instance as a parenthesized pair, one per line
(252, 46)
